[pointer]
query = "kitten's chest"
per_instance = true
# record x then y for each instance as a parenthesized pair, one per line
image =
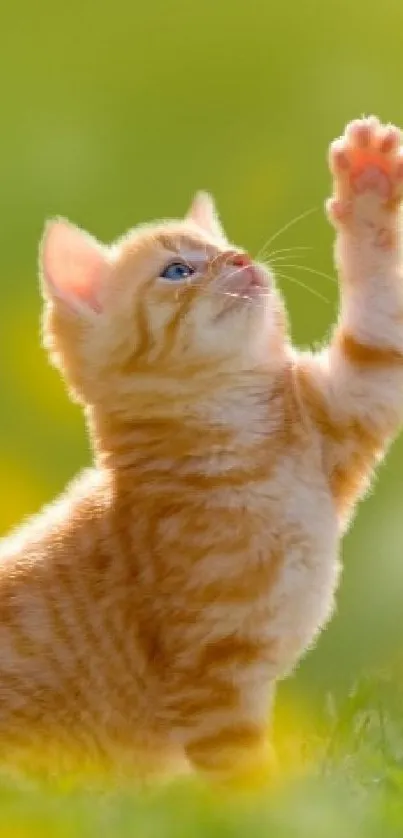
(281, 495)
(257, 502)
(266, 564)
(245, 506)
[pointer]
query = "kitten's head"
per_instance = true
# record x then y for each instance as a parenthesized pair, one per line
(170, 306)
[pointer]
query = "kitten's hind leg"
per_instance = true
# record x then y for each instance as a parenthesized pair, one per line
(232, 749)
(237, 759)
(220, 711)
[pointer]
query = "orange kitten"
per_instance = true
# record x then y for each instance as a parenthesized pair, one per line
(146, 616)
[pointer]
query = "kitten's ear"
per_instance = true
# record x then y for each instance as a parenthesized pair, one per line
(74, 266)
(203, 212)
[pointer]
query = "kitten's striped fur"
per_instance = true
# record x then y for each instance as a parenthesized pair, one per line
(146, 616)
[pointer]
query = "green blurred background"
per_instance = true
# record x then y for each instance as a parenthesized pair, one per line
(113, 114)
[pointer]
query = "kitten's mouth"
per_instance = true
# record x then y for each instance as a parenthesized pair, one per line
(257, 279)
(251, 283)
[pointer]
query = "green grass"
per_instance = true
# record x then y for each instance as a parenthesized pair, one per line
(349, 782)
(113, 114)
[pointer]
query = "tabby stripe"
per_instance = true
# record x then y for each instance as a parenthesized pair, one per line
(142, 331)
(367, 354)
(171, 330)
(339, 431)
(218, 749)
(154, 479)
(132, 641)
(68, 639)
(191, 705)
(258, 582)
(230, 651)
(24, 686)
(115, 655)
(78, 688)
(87, 643)
(318, 409)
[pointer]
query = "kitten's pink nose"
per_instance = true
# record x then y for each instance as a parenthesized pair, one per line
(239, 260)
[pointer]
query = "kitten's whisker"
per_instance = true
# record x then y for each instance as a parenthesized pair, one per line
(289, 249)
(255, 299)
(306, 287)
(284, 228)
(286, 253)
(309, 270)
(269, 261)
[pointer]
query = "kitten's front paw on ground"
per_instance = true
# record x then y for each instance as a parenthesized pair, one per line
(367, 168)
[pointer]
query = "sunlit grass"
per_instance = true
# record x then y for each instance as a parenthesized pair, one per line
(347, 781)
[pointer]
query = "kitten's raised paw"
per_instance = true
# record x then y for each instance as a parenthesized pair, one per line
(367, 167)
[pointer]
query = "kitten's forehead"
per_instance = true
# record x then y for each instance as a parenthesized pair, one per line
(188, 246)
(169, 239)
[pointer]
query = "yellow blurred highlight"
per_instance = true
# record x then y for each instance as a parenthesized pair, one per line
(19, 496)
(28, 367)
(298, 738)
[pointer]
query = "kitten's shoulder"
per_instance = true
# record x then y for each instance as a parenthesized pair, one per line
(83, 498)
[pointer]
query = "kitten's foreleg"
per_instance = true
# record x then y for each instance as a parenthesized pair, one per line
(354, 388)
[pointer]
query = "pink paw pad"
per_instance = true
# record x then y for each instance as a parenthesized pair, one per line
(338, 210)
(339, 156)
(367, 167)
(359, 132)
(371, 176)
(389, 140)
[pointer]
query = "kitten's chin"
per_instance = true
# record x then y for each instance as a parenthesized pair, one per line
(248, 291)
(252, 335)
(251, 306)
(265, 331)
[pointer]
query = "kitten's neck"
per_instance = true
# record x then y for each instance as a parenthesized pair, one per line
(173, 431)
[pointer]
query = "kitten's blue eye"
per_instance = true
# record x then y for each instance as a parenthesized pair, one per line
(176, 271)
